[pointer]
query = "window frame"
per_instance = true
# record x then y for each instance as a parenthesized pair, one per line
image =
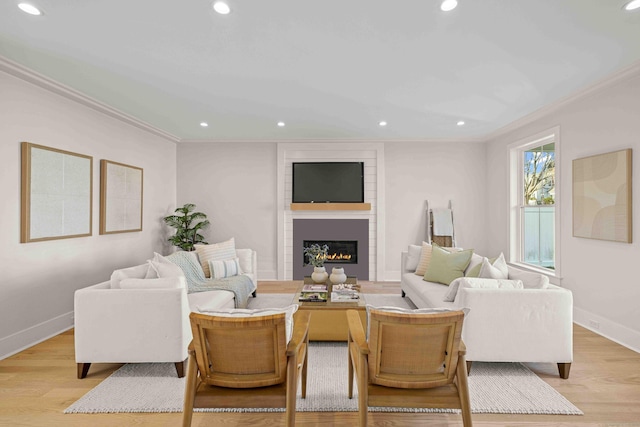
(517, 202)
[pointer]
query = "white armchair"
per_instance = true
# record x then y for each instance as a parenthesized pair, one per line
(131, 326)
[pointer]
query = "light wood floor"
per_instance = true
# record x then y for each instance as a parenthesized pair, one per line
(37, 384)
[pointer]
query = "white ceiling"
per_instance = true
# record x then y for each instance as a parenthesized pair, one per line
(330, 69)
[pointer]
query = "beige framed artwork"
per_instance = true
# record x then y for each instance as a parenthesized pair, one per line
(602, 196)
(56, 194)
(120, 197)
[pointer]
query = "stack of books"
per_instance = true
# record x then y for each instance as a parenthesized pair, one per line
(345, 293)
(314, 293)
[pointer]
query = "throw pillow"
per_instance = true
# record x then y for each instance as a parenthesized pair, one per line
(159, 283)
(224, 268)
(390, 309)
(530, 279)
(243, 312)
(245, 259)
(494, 270)
(446, 266)
(413, 257)
(136, 272)
(161, 267)
(425, 259)
(473, 269)
(215, 252)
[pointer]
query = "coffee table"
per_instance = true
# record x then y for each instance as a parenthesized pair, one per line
(329, 319)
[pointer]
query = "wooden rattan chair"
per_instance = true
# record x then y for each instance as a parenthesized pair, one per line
(410, 360)
(245, 362)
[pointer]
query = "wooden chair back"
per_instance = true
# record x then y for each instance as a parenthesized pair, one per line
(413, 350)
(240, 352)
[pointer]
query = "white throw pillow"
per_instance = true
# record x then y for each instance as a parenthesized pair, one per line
(530, 279)
(160, 267)
(413, 257)
(224, 268)
(408, 311)
(497, 270)
(243, 312)
(246, 262)
(215, 252)
(136, 272)
(475, 261)
(159, 283)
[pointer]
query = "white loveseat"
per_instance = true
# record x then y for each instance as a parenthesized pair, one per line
(140, 320)
(505, 325)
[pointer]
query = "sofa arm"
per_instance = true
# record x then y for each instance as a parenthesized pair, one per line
(403, 262)
(131, 325)
(523, 325)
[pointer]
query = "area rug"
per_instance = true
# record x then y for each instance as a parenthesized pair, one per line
(502, 388)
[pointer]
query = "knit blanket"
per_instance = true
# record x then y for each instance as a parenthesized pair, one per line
(240, 285)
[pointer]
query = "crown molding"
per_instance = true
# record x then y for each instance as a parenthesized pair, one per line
(33, 77)
(336, 141)
(628, 72)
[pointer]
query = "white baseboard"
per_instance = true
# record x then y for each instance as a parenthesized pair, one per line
(29, 337)
(602, 326)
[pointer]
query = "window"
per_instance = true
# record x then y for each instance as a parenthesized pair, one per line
(534, 222)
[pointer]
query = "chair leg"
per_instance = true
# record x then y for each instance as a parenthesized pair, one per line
(350, 362)
(292, 383)
(469, 362)
(180, 369)
(304, 370)
(363, 391)
(190, 389)
(563, 369)
(83, 370)
(463, 391)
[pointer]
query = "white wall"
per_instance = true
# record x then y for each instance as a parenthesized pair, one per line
(38, 279)
(234, 183)
(602, 275)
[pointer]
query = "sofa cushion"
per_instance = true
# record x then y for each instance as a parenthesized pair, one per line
(160, 266)
(446, 266)
(428, 310)
(494, 269)
(211, 300)
(414, 254)
(158, 283)
(215, 252)
(425, 259)
(224, 268)
(475, 282)
(530, 279)
(135, 272)
(243, 312)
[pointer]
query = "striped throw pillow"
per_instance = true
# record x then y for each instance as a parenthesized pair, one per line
(224, 268)
(215, 252)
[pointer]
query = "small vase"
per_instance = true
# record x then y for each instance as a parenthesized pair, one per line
(338, 276)
(319, 275)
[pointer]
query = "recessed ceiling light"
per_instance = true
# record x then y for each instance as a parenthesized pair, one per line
(281, 124)
(382, 123)
(632, 5)
(448, 5)
(30, 9)
(461, 123)
(204, 124)
(221, 7)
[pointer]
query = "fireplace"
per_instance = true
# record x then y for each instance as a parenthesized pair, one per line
(340, 251)
(348, 241)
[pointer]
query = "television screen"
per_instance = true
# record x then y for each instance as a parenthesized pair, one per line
(328, 182)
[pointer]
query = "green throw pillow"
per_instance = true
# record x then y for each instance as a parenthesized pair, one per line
(446, 266)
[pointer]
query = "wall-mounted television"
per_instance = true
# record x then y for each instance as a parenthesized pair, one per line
(328, 182)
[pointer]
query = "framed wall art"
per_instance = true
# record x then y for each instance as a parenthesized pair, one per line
(120, 197)
(56, 194)
(602, 196)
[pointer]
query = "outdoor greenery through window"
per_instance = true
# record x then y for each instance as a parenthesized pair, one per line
(537, 206)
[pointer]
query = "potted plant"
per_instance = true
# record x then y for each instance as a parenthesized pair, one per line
(188, 225)
(316, 255)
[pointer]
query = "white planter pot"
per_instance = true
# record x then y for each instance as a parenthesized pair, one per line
(319, 275)
(338, 276)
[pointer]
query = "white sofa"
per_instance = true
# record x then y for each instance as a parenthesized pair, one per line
(142, 324)
(505, 325)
